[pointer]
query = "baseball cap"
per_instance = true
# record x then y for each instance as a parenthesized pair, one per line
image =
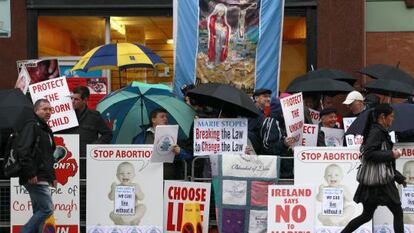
(352, 96)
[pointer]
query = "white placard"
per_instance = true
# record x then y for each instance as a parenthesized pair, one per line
(348, 122)
(217, 136)
(333, 137)
(109, 166)
(314, 114)
(65, 197)
(164, 139)
(176, 194)
(354, 140)
(310, 135)
(23, 80)
(407, 199)
(124, 200)
(330, 167)
(291, 208)
(333, 201)
(292, 107)
(57, 92)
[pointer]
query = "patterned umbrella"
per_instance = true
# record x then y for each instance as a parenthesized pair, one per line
(129, 108)
(118, 57)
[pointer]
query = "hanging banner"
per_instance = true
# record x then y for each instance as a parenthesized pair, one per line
(292, 107)
(290, 208)
(216, 136)
(233, 42)
(176, 195)
(124, 187)
(57, 92)
(65, 197)
(333, 174)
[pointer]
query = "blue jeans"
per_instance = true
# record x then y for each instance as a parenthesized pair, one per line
(42, 207)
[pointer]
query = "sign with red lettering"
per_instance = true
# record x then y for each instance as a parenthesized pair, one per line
(216, 136)
(310, 135)
(112, 166)
(405, 164)
(314, 114)
(65, 197)
(290, 209)
(176, 195)
(332, 171)
(292, 107)
(57, 92)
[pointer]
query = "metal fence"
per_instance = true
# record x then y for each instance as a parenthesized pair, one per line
(191, 172)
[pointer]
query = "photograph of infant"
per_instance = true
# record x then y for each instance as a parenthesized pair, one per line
(125, 174)
(408, 172)
(333, 177)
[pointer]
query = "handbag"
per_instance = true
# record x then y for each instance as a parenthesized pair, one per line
(373, 173)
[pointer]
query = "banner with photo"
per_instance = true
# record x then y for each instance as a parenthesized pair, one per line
(38, 70)
(228, 41)
(98, 88)
(65, 197)
(332, 171)
(124, 187)
(240, 185)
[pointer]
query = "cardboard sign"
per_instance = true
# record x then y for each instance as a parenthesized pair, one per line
(176, 195)
(98, 88)
(216, 136)
(314, 114)
(164, 139)
(65, 197)
(112, 166)
(310, 135)
(333, 137)
(348, 122)
(290, 208)
(292, 107)
(57, 92)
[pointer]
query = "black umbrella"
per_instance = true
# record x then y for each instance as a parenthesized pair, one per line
(15, 108)
(390, 87)
(402, 119)
(320, 85)
(330, 74)
(383, 71)
(224, 97)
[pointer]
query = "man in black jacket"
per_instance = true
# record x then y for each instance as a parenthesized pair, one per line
(92, 128)
(35, 149)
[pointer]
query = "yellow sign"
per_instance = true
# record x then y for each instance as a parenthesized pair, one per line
(191, 219)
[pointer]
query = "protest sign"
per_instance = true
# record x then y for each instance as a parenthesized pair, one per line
(40, 69)
(314, 114)
(382, 215)
(310, 135)
(57, 92)
(23, 80)
(113, 170)
(348, 122)
(176, 195)
(290, 208)
(98, 88)
(332, 170)
(333, 137)
(216, 136)
(164, 140)
(292, 107)
(65, 197)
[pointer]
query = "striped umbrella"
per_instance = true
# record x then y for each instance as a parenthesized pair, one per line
(128, 110)
(118, 56)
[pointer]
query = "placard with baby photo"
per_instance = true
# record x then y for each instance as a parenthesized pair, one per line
(383, 216)
(334, 177)
(123, 187)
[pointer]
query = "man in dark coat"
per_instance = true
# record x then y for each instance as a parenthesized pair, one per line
(35, 147)
(92, 128)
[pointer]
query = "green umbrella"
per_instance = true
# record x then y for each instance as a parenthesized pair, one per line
(128, 110)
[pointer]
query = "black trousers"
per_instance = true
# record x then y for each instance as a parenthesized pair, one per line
(368, 213)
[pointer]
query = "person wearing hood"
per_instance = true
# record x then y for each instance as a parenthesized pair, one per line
(274, 139)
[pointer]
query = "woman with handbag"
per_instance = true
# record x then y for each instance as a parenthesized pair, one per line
(377, 174)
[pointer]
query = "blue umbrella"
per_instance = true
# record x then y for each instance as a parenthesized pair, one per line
(129, 109)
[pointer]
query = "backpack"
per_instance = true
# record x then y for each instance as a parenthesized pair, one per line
(11, 162)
